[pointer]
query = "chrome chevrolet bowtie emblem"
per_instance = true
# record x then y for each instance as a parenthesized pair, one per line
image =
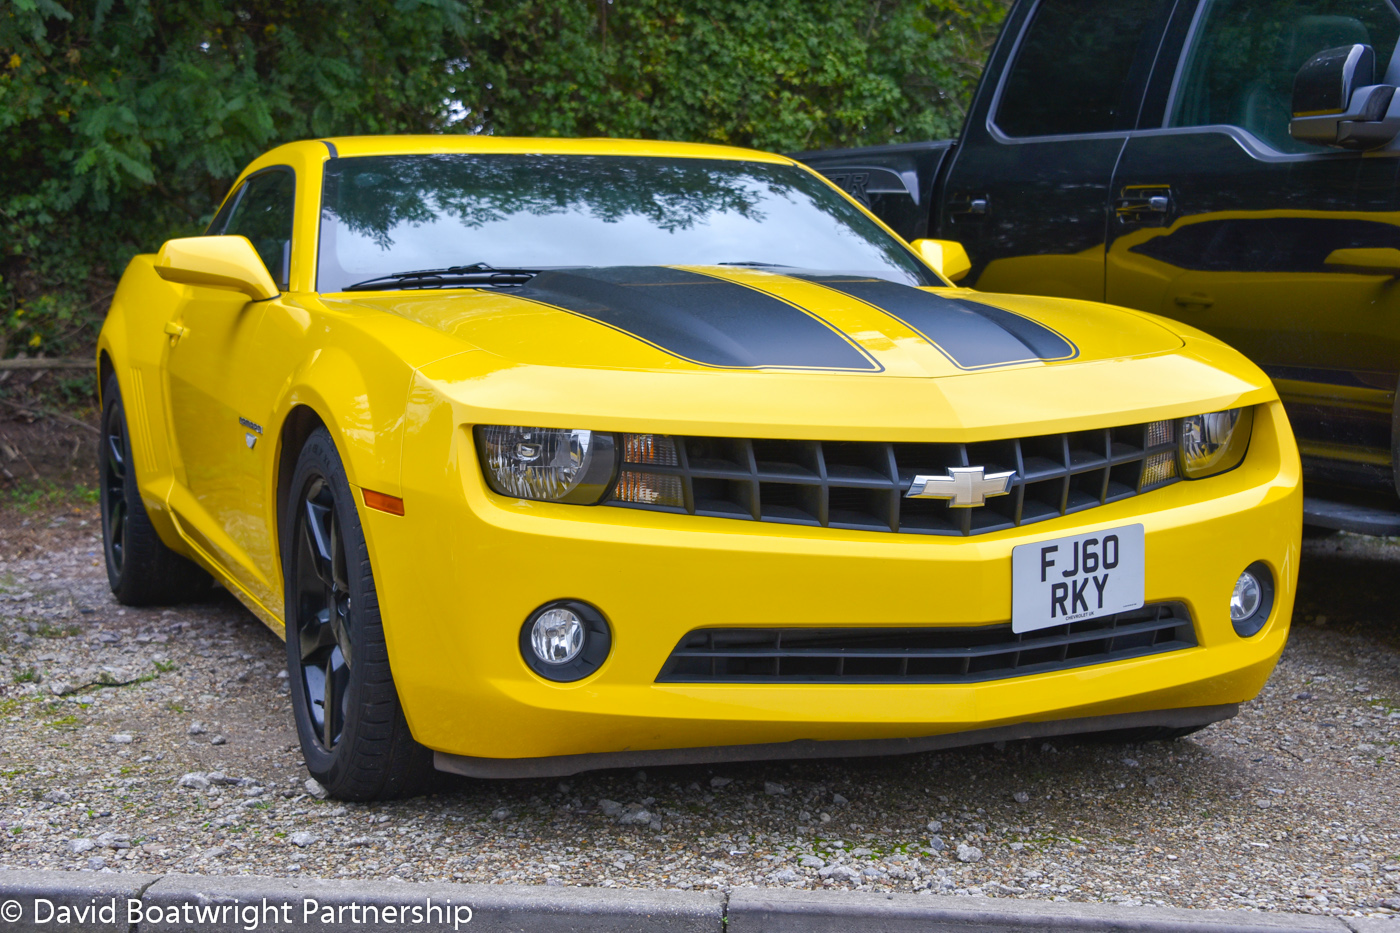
(964, 487)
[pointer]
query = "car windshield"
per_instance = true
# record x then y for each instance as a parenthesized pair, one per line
(385, 215)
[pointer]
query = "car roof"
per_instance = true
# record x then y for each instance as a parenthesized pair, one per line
(350, 146)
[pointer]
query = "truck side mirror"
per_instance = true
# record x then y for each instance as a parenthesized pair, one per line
(947, 256)
(1335, 102)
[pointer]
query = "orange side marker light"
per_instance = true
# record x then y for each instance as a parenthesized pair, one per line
(381, 502)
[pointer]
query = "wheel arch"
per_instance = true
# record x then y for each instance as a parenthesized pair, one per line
(105, 369)
(299, 424)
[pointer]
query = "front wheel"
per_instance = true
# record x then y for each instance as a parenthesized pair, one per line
(353, 734)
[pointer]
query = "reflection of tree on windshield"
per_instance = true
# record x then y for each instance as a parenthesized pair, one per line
(373, 195)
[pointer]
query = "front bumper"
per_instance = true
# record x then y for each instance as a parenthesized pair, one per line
(453, 609)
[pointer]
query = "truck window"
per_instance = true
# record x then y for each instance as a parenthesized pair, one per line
(1080, 67)
(1242, 61)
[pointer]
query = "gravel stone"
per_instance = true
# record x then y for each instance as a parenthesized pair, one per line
(1181, 829)
(79, 846)
(121, 738)
(314, 788)
(218, 740)
(773, 789)
(303, 839)
(96, 863)
(196, 728)
(967, 853)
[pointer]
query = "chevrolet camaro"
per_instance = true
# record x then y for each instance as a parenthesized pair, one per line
(553, 455)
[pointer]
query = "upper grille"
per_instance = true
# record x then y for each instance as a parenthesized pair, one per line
(862, 485)
(927, 654)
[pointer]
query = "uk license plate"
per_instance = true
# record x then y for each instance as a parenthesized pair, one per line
(1076, 577)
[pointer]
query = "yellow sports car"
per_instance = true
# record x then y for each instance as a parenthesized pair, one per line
(554, 455)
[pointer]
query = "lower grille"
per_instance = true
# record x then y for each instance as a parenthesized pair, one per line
(925, 655)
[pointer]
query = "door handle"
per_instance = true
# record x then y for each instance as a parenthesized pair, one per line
(975, 205)
(1196, 300)
(1143, 203)
(175, 331)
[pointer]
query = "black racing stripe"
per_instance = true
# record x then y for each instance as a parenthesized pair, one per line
(972, 334)
(699, 317)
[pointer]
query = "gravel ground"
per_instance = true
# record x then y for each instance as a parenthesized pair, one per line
(162, 741)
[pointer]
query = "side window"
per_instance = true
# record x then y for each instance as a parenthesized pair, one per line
(263, 213)
(1245, 54)
(1081, 67)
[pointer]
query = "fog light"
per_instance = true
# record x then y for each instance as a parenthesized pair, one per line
(1244, 601)
(565, 640)
(1252, 599)
(557, 636)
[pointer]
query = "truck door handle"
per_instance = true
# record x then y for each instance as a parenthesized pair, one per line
(1194, 300)
(976, 204)
(1143, 202)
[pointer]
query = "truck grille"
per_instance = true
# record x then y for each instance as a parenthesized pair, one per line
(862, 485)
(925, 655)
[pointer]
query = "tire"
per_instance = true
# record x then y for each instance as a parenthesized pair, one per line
(353, 734)
(141, 570)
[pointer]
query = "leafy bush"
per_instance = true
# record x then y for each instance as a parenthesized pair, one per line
(125, 122)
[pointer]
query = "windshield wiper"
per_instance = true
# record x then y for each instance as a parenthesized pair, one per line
(771, 265)
(477, 274)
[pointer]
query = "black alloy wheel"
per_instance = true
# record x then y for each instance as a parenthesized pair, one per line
(114, 490)
(323, 613)
(141, 569)
(354, 737)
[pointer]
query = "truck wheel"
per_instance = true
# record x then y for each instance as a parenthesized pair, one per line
(141, 570)
(353, 734)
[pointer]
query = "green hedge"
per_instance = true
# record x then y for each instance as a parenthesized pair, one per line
(124, 122)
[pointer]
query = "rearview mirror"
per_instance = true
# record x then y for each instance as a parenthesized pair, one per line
(216, 262)
(947, 256)
(1335, 102)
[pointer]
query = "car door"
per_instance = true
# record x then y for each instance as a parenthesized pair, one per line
(1223, 221)
(1028, 187)
(215, 379)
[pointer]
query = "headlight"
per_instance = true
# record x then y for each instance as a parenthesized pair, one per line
(550, 464)
(1214, 443)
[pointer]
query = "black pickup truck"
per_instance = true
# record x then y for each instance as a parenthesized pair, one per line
(1228, 163)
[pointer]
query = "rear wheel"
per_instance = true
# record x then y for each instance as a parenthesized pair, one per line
(141, 570)
(353, 734)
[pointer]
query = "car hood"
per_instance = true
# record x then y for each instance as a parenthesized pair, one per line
(659, 319)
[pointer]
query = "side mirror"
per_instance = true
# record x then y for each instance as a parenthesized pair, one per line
(216, 262)
(1335, 102)
(947, 256)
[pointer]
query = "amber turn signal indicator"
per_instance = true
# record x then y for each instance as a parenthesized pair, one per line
(381, 502)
